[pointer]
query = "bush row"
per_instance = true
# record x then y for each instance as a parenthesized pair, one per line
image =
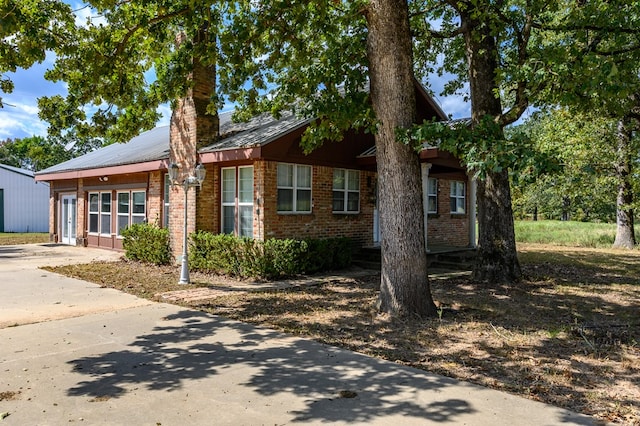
(240, 257)
(272, 258)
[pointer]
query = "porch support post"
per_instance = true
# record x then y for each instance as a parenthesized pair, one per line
(472, 211)
(425, 200)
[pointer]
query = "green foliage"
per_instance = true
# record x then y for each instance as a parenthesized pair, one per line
(147, 243)
(269, 259)
(28, 29)
(585, 186)
(37, 153)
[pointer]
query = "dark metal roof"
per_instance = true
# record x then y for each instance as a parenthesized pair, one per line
(148, 146)
(153, 145)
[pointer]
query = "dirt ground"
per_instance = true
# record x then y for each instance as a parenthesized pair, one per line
(568, 334)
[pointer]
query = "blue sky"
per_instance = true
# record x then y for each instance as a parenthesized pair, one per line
(19, 117)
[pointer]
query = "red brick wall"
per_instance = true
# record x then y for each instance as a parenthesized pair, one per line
(155, 189)
(321, 222)
(446, 228)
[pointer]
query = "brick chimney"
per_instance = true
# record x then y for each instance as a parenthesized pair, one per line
(191, 128)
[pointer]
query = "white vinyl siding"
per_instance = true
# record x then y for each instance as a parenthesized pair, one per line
(346, 191)
(294, 188)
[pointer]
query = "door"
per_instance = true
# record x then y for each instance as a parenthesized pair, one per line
(68, 220)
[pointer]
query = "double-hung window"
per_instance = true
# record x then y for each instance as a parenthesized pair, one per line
(237, 201)
(294, 188)
(346, 191)
(131, 208)
(457, 197)
(432, 196)
(100, 213)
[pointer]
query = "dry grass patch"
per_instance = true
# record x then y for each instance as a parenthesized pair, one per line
(568, 335)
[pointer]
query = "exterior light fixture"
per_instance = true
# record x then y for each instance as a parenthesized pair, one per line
(195, 179)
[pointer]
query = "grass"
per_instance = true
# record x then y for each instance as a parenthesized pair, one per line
(567, 233)
(13, 238)
(568, 334)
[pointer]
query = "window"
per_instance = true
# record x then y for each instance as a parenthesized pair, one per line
(457, 197)
(131, 209)
(237, 201)
(432, 196)
(346, 191)
(294, 188)
(165, 210)
(100, 213)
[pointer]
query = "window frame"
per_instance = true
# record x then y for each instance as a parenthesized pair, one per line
(166, 191)
(295, 188)
(237, 204)
(130, 214)
(455, 197)
(345, 191)
(432, 195)
(100, 213)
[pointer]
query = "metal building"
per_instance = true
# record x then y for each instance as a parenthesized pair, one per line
(24, 203)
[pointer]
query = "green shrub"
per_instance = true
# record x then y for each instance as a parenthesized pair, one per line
(273, 258)
(147, 243)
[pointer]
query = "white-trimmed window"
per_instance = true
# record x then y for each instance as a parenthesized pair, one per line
(346, 191)
(432, 196)
(294, 188)
(100, 213)
(237, 201)
(131, 208)
(457, 197)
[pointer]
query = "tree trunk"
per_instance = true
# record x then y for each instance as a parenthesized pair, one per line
(625, 233)
(404, 286)
(497, 257)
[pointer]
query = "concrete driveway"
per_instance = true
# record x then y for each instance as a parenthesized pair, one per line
(76, 353)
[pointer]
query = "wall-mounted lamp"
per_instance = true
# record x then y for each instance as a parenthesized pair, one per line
(196, 179)
(103, 178)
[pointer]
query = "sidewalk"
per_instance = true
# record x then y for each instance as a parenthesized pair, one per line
(146, 363)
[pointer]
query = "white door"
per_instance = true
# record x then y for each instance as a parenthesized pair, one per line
(68, 219)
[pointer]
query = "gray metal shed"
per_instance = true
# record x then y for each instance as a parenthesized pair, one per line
(24, 203)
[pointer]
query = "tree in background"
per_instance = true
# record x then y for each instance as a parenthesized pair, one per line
(584, 186)
(37, 153)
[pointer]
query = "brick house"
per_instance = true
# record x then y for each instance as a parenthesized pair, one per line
(258, 184)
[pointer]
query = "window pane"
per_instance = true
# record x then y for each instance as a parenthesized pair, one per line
(338, 201)
(123, 202)
(432, 186)
(246, 185)
(354, 180)
(338, 179)
(139, 200)
(285, 175)
(94, 203)
(285, 200)
(246, 221)
(228, 219)
(228, 185)
(105, 224)
(432, 205)
(303, 200)
(105, 206)
(123, 222)
(93, 222)
(137, 219)
(353, 201)
(303, 178)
